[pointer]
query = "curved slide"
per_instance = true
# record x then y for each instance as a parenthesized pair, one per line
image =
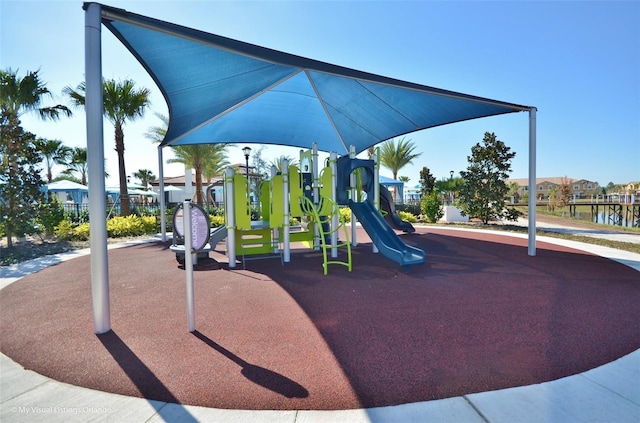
(383, 236)
(387, 204)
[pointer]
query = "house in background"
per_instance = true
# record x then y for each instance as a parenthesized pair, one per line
(632, 188)
(579, 188)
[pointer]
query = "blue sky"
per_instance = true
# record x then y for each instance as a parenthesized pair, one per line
(577, 62)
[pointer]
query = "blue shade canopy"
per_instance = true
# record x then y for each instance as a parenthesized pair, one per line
(220, 90)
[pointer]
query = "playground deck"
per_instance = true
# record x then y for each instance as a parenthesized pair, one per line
(479, 315)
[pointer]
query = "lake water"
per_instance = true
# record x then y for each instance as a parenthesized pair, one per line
(607, 218)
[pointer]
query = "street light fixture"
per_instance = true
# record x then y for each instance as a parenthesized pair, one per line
(451, 187)
(247, 151)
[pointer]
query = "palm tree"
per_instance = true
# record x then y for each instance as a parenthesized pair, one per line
(54, 152)
(21, 95)
(78, 163)
(145, 176)
(395, 157)
(277, 162)
(122, 103)
(209, 159)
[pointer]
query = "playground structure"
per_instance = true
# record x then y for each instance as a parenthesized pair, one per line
(312, 195)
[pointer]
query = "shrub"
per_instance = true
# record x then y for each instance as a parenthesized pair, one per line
(50, 215)
(345, 214)
(64, 231)
(410, 208)
(216, 220)
(431, 207)
(81, 232)
(130, 226)
(408, 217)
(511, 213)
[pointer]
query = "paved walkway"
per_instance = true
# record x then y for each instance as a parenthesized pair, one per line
(603, 233)
(610, 393)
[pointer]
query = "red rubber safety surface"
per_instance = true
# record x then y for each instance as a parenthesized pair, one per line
(479, 315)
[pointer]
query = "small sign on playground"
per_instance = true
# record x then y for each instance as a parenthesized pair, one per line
(200, 226)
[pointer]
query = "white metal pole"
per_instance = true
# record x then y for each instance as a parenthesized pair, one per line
(188, 264)
(333, 159)
(229, 211)
(95, 162)
(376, 190)
(163, 205)
(275, 233)
(188, 183)
(286, 235)
(532, 181)
(315, 192)
(316, 173)
(354, 195)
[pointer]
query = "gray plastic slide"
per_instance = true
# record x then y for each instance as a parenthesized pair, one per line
(384, 237)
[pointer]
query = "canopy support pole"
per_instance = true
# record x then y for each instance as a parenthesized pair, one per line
(532, 181)
(95, 161)
(376, 190)
(286, 233)
(354, 197)
(163, 206)
(335, 221)
(230, 213)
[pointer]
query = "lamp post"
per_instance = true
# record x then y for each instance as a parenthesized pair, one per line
(247, 151)
(451, 187)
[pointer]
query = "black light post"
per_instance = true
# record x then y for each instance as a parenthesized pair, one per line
(451, 188)
(247, 151)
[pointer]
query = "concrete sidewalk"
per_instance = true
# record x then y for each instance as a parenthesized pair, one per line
(603, 233)
(610, 393)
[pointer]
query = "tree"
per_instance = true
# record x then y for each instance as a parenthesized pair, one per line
(484, 188)
(53, 152)
(19, 158)
(395, 157)
(427, 182)
(209, 159)
(261, 169)
(22, 95)
(144, 176)
(277, 162)
(370, 152)
(122, 103)
(20, 180)
(78, 163)
(563, 193)
(513, 191)
(431, 207)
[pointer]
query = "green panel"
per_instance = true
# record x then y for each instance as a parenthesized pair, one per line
(241, 202)
(254, 241)
(325, 182)
(295, 191)
(265, 200)
(306, 160)
(302, 236)
(276, 214)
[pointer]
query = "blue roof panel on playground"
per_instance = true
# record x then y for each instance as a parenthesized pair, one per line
(222, 90)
